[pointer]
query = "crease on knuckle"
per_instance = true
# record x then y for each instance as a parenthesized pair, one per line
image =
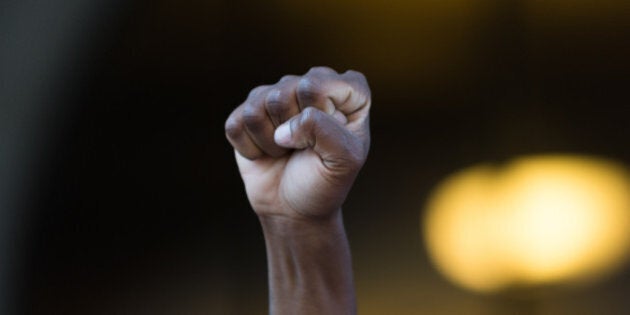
(253, 118)
(308, 89)
(309, 117)
(307, 123)
(276, 103)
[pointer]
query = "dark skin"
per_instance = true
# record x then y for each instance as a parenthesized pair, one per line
(299, 145)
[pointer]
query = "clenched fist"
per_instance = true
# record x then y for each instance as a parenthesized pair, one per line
(300, 143)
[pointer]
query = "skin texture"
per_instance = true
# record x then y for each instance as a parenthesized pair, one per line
(299, 145)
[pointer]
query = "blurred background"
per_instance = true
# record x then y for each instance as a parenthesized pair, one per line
(119, 193)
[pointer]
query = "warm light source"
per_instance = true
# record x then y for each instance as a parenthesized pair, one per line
(542, 220)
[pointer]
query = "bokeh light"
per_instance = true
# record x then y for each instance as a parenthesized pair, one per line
(537, 221)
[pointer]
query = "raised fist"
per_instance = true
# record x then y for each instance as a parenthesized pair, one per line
(300, 143)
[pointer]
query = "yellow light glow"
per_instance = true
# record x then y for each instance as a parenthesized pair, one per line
(535, 221)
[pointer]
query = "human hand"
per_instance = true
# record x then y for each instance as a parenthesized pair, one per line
(300, 143)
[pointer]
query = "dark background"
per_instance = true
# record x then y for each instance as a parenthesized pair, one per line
(119, 191)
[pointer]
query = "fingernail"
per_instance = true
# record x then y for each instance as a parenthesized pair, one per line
(282, 135)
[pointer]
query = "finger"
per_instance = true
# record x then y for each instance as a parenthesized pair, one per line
(281, 100)
(259, 125)
(356, 99)
(238, 136)
(335, 144)
(311, 90)
(330, 92)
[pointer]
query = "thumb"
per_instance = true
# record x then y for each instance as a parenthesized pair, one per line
(325, 134)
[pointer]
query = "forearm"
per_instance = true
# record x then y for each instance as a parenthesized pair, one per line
(310, 268)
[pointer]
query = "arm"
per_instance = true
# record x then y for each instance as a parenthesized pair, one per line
(310, 270)
(299, 145)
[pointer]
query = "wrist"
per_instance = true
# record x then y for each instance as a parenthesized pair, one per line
(296, 228)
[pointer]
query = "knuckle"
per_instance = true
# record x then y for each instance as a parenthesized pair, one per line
(358, 78)
(288, 77)
(233, 127)
(355, 76)
(321, 70)
(251, 154)
(253, 117)
(310, 116)
(353, 155)
(308, 89)
(256, 91)
(310, 112)
(357, 154)
(276, 102)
